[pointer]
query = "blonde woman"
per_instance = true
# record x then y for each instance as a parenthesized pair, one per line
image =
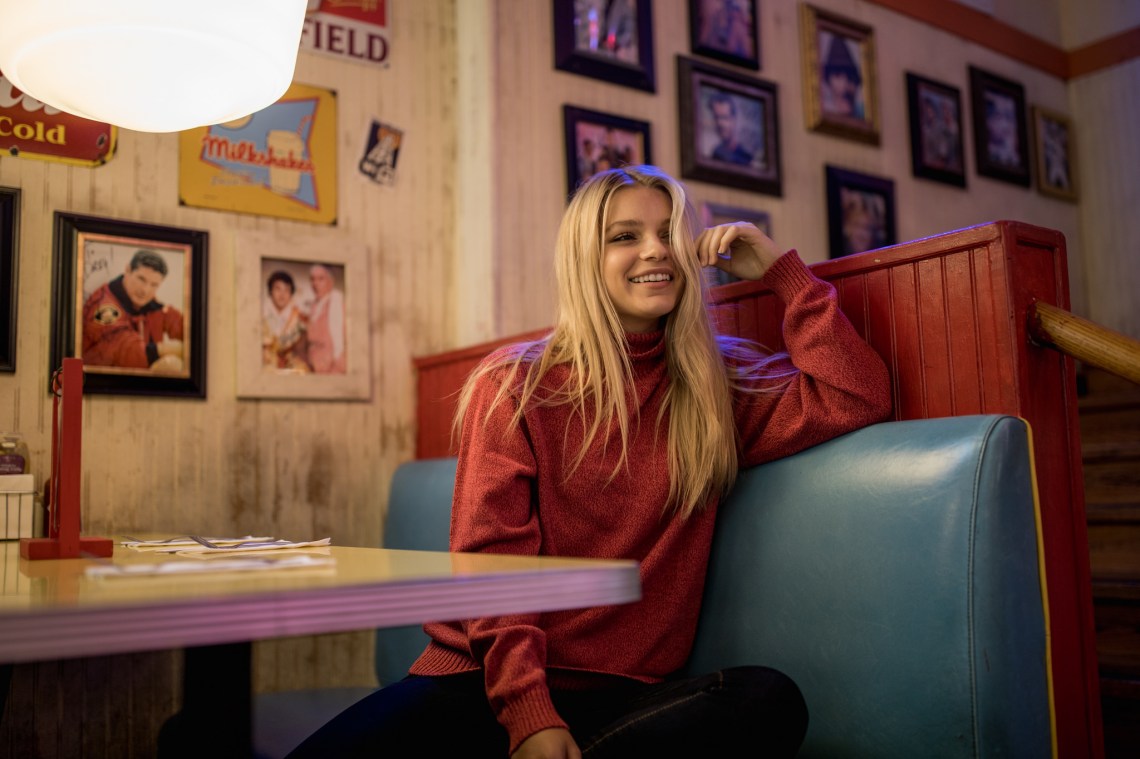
(615, 437)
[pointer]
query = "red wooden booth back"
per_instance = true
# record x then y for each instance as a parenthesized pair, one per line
(948, 314)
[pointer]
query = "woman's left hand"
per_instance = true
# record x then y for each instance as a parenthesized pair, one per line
(739, 248)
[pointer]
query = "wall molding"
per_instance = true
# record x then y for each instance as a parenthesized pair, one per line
(985, 30)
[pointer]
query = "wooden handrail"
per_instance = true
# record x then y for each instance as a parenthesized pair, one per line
(1085, 340)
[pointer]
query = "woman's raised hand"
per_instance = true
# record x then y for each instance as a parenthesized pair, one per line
(738, 248)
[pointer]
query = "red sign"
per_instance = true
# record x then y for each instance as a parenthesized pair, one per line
(347, 29)
(30, 129)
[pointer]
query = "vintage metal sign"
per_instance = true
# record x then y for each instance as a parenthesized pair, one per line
(280, 161)
(31, 129)
(355, 30)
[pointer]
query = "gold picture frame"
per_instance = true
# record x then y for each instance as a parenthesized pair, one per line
(841, 88)
(1055, 154)
(336, 366)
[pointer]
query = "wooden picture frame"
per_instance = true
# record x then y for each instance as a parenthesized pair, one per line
(718, 213)
(596, 141)
(935, 115)
(9, 275)
(1001, 137)
(129, 298)
(841, 87)
(1055, 152)
(314, 345)
(860, 212)
(608, 41)
(727, 30)
(729, 126)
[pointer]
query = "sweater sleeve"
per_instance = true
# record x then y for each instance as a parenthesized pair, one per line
(838, 382)
(493, 512)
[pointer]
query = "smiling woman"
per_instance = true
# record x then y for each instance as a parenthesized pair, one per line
(638, 261)
(615, 436)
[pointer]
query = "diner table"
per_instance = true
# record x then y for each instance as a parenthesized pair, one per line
(129, 602)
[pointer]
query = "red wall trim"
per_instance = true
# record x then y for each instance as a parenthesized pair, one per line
(1104, 53)
(983, 29)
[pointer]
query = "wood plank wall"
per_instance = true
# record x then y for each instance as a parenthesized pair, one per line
(223, 465)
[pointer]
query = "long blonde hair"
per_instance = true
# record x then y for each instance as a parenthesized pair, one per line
(589, 338)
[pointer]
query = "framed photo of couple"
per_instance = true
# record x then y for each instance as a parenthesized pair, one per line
(729, 127)
(130, 300)
(302, 319)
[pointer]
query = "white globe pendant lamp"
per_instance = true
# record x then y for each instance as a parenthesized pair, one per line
(152, 65)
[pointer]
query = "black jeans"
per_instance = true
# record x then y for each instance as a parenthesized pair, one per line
(743, 711)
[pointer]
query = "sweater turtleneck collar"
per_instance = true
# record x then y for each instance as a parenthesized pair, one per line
(645, 346)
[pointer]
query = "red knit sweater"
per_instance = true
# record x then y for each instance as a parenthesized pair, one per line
(511, 497)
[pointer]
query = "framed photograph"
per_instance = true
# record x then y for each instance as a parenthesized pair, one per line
(1001, 144)
(935, 130)
(1056, 156)
(860, 212)
(9, 271)
(130, 300)
(841, 89)
(302, 318)
(729, 127)
(728, 30)
(611, 40)
(716, 213)
(598, 141)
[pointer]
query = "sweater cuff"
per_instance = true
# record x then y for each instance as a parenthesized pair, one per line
(532, 712)
(788, 275)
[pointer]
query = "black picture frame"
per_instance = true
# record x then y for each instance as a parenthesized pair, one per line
(596, 141)
(579, 42)
(727, 30)
(935, 114)
(711, 98)
(1001, 133)
(860, 212)
(89, 254)
(9, 275)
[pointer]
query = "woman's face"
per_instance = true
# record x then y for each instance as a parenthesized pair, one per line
(637, 258)
(281, 293)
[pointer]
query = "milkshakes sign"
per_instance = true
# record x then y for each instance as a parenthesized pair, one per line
(32, 129)
(354, 30)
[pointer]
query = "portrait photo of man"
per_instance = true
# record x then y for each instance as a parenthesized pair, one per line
(733, 129)
(126, 322)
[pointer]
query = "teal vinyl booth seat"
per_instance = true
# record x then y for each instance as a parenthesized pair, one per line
(893, 573)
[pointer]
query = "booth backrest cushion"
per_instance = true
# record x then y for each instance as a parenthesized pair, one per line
(419, 518)
(893, 573)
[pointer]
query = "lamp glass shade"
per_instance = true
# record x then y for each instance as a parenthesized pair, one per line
(152, 65)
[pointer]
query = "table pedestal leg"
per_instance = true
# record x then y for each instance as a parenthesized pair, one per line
(217, 701)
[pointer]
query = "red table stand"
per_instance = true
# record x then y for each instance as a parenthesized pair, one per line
(61, 494)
